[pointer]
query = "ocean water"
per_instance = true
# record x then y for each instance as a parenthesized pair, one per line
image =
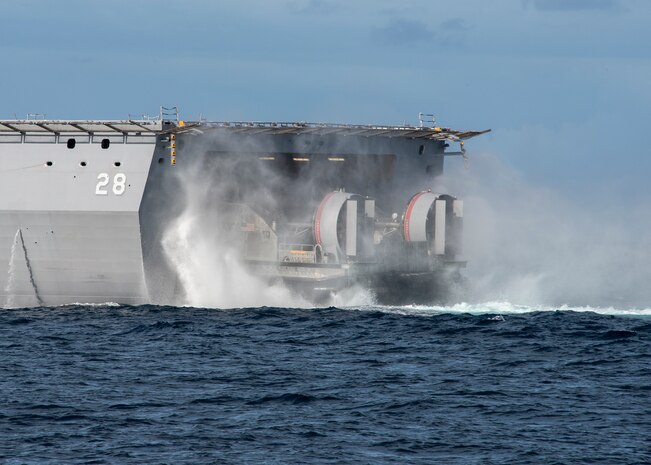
(489, 383)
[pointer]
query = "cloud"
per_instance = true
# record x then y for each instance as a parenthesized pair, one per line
(454, 24)
(572, 5)
(314, 7)
(453, 32)
(404, 32)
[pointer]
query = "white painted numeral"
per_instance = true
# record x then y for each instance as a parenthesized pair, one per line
(119, 184)
(103, 180)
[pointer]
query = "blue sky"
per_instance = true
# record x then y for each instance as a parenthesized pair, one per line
(564, 84)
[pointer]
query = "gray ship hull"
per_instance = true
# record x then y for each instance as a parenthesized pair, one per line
(84, 221)
(65, 237)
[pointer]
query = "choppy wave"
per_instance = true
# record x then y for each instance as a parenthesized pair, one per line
(470, 383)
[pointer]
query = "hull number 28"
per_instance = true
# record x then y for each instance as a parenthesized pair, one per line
(104, 180)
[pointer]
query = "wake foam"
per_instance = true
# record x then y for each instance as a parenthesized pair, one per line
(504, 308)
(90, 304)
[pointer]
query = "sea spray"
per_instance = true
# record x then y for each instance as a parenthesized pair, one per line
(10, 290)
(204, 242)
(212, 272)
(214, 275)
(353, 296)
(16, 294)
(531, 245)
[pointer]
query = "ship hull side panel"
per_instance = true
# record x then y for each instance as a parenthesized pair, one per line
(69, 224)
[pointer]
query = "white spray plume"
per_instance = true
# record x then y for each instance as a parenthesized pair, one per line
(203, 243)
(531, 245)
(213, 274)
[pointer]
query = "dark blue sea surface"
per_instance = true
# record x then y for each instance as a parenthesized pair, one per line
(114, 384)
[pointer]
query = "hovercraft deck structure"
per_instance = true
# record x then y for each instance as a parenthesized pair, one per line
(318, 207)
